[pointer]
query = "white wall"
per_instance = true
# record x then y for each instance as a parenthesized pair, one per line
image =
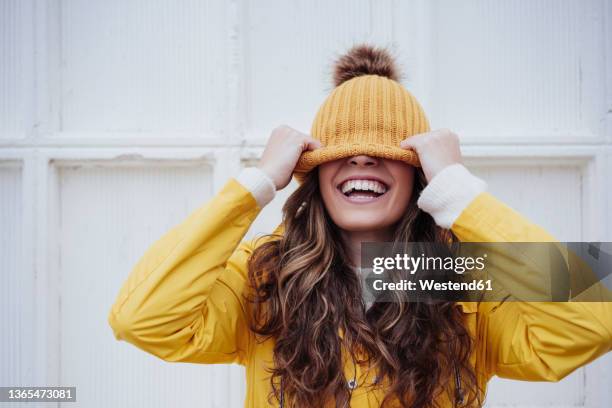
(119, 117)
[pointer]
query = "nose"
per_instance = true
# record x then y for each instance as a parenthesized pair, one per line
(363, 160)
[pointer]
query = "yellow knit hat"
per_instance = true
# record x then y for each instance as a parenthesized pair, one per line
(369, 112)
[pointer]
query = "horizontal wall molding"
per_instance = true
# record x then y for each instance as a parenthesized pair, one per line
(257, 138)
(579, 153)
(521, 155)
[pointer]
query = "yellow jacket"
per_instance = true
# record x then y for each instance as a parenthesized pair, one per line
(183, 302)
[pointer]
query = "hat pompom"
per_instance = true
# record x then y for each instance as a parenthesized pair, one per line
(365, 59)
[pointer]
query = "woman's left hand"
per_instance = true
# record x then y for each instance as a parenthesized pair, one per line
(436, 150)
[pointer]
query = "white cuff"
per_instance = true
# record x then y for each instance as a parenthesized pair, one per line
(449, 193)
(258, 183)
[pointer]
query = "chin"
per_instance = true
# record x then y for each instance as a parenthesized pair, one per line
(361, 225)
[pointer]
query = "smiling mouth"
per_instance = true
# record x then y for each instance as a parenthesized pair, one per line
(362, 190)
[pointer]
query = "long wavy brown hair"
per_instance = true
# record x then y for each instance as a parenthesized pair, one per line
(304, 293)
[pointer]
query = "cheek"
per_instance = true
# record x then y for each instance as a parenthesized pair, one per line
(401, 201)
(326, 173)
(330, 198)
(402, 195)
(404, 176)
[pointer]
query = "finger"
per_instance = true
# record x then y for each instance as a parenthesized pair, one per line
(296, 134)
(309, 143)
(312, 144)
(411, 142)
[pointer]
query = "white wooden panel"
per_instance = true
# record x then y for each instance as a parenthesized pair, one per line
(606, 191)
(16, 67)
(567, 393)
(549, 195)
(143, 66)
(598, 379)
(12, 291)
(291, 46)
(513, 67)
(108, 217)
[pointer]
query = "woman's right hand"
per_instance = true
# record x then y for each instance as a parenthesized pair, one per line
(282, 152)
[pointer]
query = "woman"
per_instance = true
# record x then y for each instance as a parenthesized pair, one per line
(289, 305)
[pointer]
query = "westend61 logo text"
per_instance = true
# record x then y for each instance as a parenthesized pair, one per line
(440, 266)
(412, 264)
(487, 271)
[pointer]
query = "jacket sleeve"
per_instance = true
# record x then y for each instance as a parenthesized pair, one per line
(537, 341)
(183, 300)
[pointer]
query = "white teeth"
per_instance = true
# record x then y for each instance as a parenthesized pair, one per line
(363, 185)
